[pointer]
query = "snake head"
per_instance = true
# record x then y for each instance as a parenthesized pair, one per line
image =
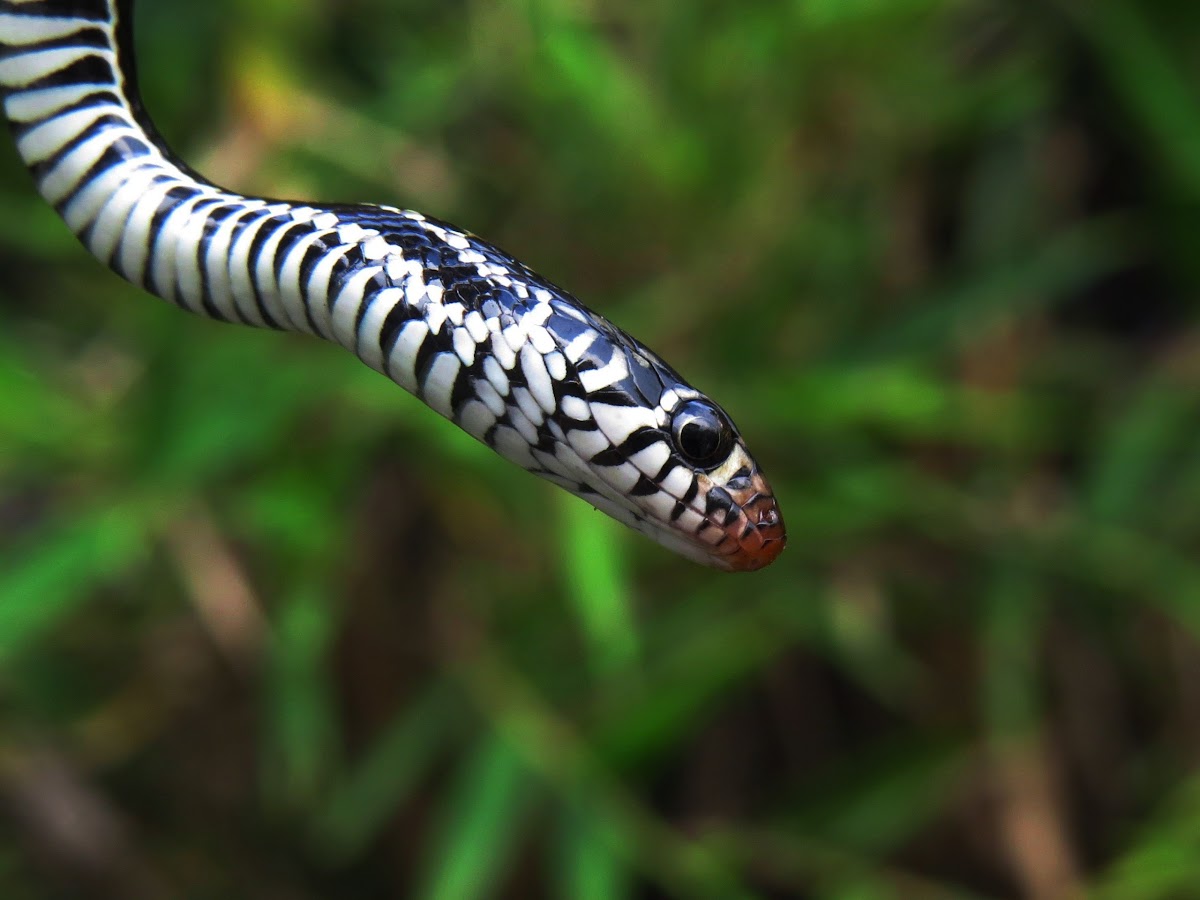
(655, 453)
(561, 391)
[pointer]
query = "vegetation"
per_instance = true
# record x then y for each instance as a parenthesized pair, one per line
(269, 628)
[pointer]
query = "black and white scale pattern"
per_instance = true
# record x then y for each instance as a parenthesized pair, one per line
(512, 359)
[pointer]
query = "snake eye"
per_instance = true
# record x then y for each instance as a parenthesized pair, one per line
(702, 435)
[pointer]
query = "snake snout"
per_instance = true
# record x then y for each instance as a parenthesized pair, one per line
(759, 531)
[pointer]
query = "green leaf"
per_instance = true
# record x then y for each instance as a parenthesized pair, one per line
(372, 791)
(1013, 613)
(48, 576)
(302, 731)
(1157, 89)
(598, 584)
(483, 821)
(1131, 457)
(591, 859)
(1164, 862)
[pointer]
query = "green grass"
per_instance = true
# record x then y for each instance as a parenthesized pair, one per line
(268, 627)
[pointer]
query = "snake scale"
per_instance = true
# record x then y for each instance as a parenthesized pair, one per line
(512, 359)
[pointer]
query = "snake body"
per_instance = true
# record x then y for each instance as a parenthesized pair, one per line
(515, 361)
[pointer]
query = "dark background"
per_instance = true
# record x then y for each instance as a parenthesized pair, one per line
(270, 629)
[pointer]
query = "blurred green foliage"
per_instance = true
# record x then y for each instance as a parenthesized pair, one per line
(269, 628)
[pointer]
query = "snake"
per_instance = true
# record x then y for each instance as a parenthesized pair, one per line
(515, 361)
